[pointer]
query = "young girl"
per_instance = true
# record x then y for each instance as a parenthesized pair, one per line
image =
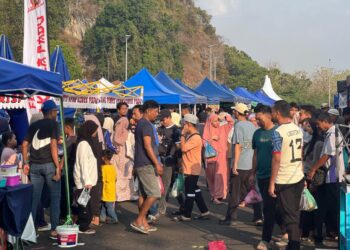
(109, 177)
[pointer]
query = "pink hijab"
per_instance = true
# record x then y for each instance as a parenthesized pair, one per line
(221, 132)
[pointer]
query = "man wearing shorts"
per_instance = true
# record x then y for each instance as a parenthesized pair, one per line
(147, 166)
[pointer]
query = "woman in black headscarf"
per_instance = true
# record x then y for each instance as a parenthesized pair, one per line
(85, 172)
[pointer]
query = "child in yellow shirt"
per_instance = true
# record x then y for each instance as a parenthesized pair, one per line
(109, 177)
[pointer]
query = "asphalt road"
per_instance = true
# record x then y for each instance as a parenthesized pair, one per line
(170, 234)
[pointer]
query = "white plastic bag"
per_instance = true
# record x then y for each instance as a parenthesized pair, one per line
(174, 191)
(84, 197)
(136, 185)
(28, 234)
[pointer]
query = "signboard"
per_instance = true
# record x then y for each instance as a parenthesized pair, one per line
(96, 101)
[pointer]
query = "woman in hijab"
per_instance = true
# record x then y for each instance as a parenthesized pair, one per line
(98, 142)
(216, 134)
(108, 124)
(85, 172)
(120, 160)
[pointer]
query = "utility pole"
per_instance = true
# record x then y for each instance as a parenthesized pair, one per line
(210, 61)
(126, 56)
(329, 83)
(215, 68)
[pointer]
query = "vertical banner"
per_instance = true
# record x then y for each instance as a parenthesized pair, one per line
(35, 44)
(35, 47)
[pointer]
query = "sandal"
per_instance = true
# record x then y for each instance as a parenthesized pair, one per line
(140, 229)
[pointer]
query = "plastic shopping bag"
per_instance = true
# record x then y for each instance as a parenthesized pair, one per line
(217, 245)
(136, 184)
(252, 197)
(84, 197)
(210, 152)
(161, 185)
(307, 201)
(178, 187)
(174, 191)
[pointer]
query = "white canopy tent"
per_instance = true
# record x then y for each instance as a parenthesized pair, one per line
(268, 89)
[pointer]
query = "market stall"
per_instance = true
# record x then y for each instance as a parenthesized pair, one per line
(20, 80)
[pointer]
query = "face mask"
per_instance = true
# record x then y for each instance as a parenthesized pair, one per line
(307, 137)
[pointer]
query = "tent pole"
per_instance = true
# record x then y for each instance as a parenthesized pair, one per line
(195, 109)
(180, 109)
(69, 215)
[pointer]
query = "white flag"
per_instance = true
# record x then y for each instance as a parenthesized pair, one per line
(35, 47)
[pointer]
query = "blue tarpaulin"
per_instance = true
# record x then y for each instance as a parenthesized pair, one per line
(153, 89)
(169, 83)
(213, 90)
(19, 78)
(5, 49)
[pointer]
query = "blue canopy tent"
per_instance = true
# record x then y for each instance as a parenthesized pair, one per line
(16, 78)
(246, 94)
(210, 89)
(58, 64)
(153, 89)
(211, 100)
(169, 83)
(239, 97)
(5, 49)
(261, 95)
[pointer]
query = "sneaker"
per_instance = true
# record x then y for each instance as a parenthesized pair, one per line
(89, 231)
(152, 229)
(259, 223)
(203, 216)
(184, 218)
(263, 245)
(47, 227)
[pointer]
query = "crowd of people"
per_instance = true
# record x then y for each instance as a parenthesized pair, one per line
(138, 154)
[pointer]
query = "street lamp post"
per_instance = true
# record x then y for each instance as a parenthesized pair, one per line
(126, 56)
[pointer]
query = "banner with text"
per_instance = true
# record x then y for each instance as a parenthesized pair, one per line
(35, 44)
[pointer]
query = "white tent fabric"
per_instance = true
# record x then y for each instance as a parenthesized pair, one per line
(268, 90)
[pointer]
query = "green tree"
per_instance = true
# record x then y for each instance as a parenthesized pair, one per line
(242, 70)
(152, 44)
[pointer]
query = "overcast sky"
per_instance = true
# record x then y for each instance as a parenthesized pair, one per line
(296, 34)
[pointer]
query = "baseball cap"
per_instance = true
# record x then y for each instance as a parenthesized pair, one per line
(240, 108)
(324, 105)
(164, 113)
(333, 112)
(48, 106)
(191, 119)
